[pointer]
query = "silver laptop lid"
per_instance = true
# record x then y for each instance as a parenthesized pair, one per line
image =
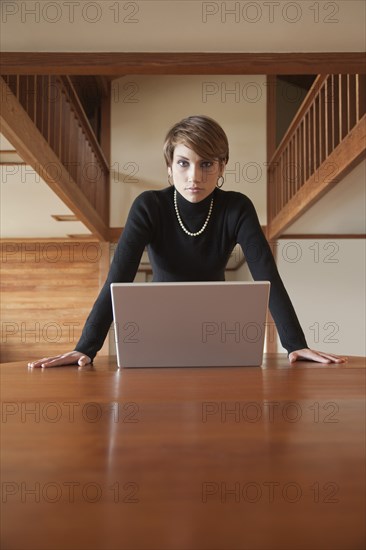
(191, 324)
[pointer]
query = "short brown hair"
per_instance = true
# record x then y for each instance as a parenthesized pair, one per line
(200, 133)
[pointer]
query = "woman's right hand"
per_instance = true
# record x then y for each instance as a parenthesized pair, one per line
(71, 358)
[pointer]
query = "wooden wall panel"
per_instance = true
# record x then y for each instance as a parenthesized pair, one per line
(47, 290)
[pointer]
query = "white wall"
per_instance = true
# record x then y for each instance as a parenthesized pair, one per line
(326, 280)
(341, 210)
(183, 26)
(327, 277)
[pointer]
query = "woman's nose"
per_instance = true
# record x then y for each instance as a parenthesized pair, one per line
(194, 173)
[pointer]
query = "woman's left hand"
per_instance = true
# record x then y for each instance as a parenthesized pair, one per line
(313, 355)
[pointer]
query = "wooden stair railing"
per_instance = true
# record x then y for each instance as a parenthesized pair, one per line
(324, 142)
(54, 108)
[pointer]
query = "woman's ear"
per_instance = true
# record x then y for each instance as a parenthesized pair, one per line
(170, 175)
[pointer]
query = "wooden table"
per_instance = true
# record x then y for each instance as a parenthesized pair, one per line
(184, 459)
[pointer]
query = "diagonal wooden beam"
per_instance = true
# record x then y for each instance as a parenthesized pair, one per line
(339, 163)
(23, 134)
(114, 234)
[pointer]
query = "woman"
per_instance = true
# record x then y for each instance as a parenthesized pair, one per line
(190, 229)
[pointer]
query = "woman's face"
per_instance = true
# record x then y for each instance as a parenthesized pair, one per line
(194, 177)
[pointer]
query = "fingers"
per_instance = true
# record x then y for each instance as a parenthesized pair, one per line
(84, 361)
(58, 361)
(317, 356)
(327, 357)
(72, 358)
(42, 361)
(333, 358)
(85, 366)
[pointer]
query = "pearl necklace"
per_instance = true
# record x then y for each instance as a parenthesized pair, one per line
(180, 219)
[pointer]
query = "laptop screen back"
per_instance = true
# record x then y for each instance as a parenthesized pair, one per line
(199, 324)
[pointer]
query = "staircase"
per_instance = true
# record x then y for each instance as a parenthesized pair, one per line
(43, 118)
(325, 140)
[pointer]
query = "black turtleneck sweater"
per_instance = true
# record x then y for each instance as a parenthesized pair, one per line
(176, 256)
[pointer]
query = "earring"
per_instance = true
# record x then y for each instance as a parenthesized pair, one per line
(222, 183)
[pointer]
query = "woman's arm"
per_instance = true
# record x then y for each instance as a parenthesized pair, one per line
(263, 267)
(137, 233)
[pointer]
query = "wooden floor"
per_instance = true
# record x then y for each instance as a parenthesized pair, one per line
(269, 458)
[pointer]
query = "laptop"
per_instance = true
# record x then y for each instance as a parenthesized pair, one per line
(190, 324)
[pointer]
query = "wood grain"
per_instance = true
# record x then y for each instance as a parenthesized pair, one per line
(184, 63)
(184, 459)
(47, 290)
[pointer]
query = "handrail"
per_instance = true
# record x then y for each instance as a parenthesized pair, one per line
(304, 107)
(83, 119)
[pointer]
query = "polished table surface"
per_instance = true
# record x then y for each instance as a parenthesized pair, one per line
(184, 459)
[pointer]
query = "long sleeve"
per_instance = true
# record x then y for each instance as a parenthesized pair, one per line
(263, 267)
(137, 233)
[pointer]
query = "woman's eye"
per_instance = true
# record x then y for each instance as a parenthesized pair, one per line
(182, 163)
(208, 165)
